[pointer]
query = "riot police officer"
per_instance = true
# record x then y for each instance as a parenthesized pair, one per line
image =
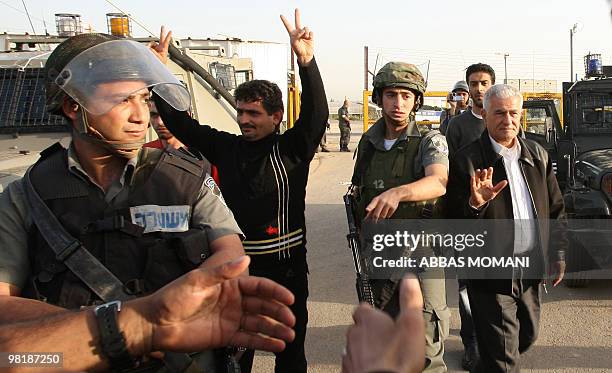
(400, 173)
(105, 220)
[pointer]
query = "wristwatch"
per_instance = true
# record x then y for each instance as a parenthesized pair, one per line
(112, 340)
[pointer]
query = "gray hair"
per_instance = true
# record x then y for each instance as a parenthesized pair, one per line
(501, 91)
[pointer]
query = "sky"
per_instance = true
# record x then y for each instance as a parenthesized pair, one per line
(442, 37)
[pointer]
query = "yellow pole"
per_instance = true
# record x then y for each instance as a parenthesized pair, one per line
(290, 118)
(297, 103)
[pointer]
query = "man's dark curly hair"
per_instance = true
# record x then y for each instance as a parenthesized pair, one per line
(479, 68)
(270, 95)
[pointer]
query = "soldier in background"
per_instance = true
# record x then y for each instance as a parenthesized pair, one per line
(344, 123)
(323, 143)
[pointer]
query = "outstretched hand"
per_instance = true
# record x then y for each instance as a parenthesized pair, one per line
(301, 39)
(160, 49)
(212, 308)
(482, 188)
(377, 343)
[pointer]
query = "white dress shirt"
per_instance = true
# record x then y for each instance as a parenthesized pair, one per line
(522, 208)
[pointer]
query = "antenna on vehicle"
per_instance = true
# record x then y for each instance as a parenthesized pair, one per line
(28, 14)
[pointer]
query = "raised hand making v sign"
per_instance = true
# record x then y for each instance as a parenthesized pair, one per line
(301, 39)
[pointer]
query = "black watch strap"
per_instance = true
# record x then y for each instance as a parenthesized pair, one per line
(112, 340)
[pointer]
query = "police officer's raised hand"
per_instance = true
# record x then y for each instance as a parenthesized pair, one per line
(482, 188)
(301, 39)
(212, 308)
(377, 343)
(384, 205)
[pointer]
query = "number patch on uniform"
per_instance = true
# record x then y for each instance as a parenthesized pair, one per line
(379, 184)
(155, 218)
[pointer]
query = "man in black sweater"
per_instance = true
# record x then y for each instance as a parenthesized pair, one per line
(263, 176)
(468, 126)
(462, 130)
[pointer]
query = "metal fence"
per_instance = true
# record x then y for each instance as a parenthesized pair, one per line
(22, 102)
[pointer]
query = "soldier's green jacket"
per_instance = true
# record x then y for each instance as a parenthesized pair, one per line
(378, 169)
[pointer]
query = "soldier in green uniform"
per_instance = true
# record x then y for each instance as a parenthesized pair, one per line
(400, 173)
(344, 124)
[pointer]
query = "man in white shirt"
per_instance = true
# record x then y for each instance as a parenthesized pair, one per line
(502, 176)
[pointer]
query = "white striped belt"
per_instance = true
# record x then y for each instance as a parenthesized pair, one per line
(276, 244)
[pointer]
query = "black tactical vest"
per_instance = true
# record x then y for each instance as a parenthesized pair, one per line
(143, 262)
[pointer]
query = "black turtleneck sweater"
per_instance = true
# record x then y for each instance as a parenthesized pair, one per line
(264, 182)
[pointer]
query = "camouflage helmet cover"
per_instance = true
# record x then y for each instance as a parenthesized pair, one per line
(398, 74)
(60, 57)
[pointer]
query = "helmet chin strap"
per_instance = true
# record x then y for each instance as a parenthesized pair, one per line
(88, 133)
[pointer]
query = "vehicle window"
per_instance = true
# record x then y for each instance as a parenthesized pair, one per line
(534, 120)
(225, 74)
(596, 110)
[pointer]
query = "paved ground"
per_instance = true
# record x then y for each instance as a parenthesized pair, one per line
(17, 153)
(576, 327)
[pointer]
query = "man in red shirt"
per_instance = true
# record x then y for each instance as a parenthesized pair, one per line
(165, 138)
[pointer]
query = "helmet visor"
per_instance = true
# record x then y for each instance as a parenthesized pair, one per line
(109, 73)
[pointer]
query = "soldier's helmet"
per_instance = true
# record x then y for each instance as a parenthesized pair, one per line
(399, 75)
(61, 56)
(83, 66)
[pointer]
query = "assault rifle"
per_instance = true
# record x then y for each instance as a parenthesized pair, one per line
(362, 283)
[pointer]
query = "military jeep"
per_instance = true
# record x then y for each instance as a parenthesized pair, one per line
(580, 148)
